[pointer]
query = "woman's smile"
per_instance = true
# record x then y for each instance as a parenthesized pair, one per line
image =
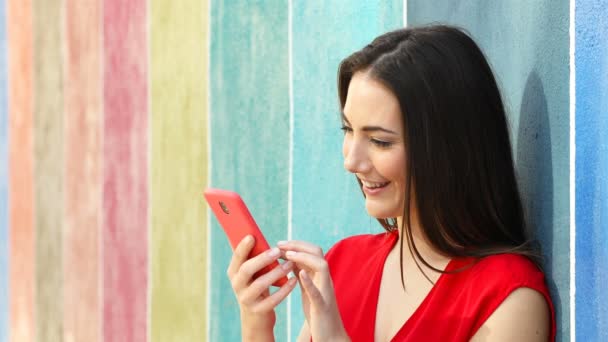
(373, 188)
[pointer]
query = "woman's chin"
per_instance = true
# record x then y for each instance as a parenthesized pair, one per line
(380, 213)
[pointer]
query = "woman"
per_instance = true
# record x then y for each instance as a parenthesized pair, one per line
(425, 134)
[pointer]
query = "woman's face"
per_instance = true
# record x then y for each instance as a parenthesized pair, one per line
(374, 148)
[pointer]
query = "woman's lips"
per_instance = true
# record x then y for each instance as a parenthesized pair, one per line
(371, 191)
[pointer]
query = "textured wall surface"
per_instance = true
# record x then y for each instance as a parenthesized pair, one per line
(48, 168)
(115, 115)
(249, 94)
(4, 252)
(21, 170)
(527, 46)
(82, 170)
(125, 171)
(591, 170)
(327, 203)
(178, 166)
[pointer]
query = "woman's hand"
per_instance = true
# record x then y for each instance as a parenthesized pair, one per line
(255, 301)
(318, 297)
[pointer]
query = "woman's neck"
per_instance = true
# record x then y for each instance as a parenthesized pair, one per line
(430, 254)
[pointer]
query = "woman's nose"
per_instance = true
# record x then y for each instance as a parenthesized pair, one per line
(355, 159)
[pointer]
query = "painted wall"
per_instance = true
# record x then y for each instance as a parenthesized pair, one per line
(4, 252)
(527, 45)
(114, 116)
(326, 202)
(21, 325)
(82, 117)
(125, 153)
(178, 170)
(249, 130)
(48, 168)
(591, 170)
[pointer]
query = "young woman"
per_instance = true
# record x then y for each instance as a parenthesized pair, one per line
(425, 134)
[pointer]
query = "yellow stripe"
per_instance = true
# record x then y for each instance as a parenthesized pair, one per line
(48, 172)
(178, 66)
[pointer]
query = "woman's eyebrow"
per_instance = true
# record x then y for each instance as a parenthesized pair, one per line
(370, 128)
(377, 128)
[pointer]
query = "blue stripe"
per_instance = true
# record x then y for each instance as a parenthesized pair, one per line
(591, 170)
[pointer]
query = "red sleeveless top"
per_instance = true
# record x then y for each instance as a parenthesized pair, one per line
(454, 309)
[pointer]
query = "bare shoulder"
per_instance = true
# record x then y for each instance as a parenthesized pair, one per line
(523, 316)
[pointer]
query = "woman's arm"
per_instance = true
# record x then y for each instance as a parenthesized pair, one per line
(523, 316)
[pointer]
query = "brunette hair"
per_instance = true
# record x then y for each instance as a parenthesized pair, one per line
(459, 159)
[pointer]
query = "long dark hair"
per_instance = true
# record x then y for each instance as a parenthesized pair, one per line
(457, 141)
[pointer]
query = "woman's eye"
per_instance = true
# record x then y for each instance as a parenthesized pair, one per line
(380, 143)
(346, 129)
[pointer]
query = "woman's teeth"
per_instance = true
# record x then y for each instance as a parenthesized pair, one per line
(372, 185)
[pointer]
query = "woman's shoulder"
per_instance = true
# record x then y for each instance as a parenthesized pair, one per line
(507, 267)
(480, 286)
(493, 278)
(505, 280)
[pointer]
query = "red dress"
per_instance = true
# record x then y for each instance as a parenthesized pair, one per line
(454, 309)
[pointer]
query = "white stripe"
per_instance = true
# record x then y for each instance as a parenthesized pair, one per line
(209, 169)
(572, 173)
(291, 129)
(404, 13)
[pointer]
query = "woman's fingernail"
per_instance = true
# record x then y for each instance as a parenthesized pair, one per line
(248, 239)
(274, 252)
(287, 265)
(290, 253)
(281, 243)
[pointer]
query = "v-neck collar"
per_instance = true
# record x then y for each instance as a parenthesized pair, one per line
(377, 279)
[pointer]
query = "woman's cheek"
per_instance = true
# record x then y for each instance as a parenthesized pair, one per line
(391, 165)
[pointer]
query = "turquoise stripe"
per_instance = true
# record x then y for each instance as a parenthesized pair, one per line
(327, 202)
(4, 248)
(249, 136)
(527, 44)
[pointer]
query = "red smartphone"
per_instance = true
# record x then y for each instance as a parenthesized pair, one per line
(237, 222)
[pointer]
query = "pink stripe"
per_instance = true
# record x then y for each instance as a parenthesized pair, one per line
(125, 150)
(21, 170)
(83, 120)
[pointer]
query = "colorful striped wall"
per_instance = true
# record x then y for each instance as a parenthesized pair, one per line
(115, 115)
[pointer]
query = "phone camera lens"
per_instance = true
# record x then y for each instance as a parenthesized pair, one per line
(224, 207)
